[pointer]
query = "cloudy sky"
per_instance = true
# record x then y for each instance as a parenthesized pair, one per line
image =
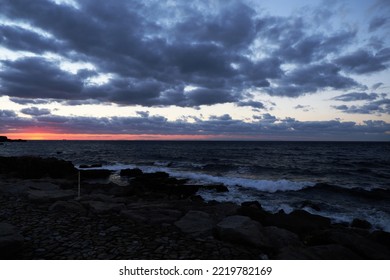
(250, 70)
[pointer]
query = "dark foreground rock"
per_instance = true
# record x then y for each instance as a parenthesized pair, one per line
(156, 216)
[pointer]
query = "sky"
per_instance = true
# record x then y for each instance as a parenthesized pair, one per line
(195, 70)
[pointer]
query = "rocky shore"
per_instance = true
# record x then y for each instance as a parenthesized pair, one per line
(155, 216)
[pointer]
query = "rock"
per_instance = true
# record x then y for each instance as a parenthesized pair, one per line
(363, 246)
(95, 173)
(241, 230)
(50, 195)
(67, 207)
(195, 222)
(96, 165)
(216, 187)
(279, 238)
(358, 223)
(323, 252)
(11, 242)
(35, 167)
(298, 221)
(152, 215)
(253, 210)
(310, 204)
(104, 207)
(135, 172)
(381, 237)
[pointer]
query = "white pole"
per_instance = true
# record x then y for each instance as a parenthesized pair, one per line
(78, 194)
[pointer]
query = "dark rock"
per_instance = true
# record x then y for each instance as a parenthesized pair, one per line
(216, 187)
(11, 242)
(96, 165)
(104, 207)
(298, 221)
(358, 223)
(279, 238)
(67, 207)
(322, 252)
(363, 246)
(241, 230)
(253, 210)
(195, 222)
(310, 204)
(381, 237)
(36, 167)
(95, 174)
(135, 172)
(50, 195)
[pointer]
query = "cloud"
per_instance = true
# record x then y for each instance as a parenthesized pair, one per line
(305, 108)
(265, 126)
(152, 50)
(377, 85)
(363, 61)
(34, 111)
(356, 96)
(251, 103)
(378, 107)
(376, 23)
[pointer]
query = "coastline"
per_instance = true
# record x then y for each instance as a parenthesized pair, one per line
(157, 216)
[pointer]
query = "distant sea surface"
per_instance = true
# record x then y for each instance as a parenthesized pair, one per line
(280, 175)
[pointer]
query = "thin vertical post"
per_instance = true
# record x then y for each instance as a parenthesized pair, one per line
(78, 193)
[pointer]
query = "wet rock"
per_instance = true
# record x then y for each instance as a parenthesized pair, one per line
(253, 210)
(97, 165)
(11, 242)
(135, 172)
(152, 215)
(241, 230)
(298, 221)
(95, 173)
(358, 223)
(195, 222)
(310, 204)
(215, 187)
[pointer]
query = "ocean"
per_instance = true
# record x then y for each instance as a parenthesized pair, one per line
(339, 180)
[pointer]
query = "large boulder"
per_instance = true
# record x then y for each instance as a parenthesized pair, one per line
(298, 221)
(104, 207)
(50, 195)
(241, 230)
(67, 207)
(195, 222)
(361, 245)
(152, 215)
(279, 238)
(11, 242)
(28, 167)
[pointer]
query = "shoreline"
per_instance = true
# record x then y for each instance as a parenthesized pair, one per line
(157, 217)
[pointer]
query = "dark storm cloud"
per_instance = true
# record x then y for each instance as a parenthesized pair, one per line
(381, 106)
(17, 38)
(254, 104)
(363, 61)
(24, 101)
(153, 51)
(34, 111)
(35, 77)
(310, 79)
(356, 96)
(376, 23)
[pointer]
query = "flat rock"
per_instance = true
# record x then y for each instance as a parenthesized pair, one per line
(195, 222)
(11, 241)
(50, 195)
(242, 230)
(103, 207)
(152, 215)
(67, 206)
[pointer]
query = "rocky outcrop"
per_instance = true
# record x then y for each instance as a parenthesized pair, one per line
(11, 242)
(195, 222)
(241, 230)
